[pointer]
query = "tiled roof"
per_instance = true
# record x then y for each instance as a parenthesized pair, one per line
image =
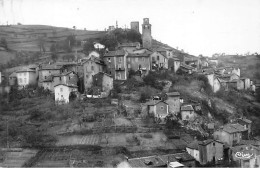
(146, 162)
(205, 142)
(49, 67)
(250, 142)
(71, 85)
(187, 66)
(184, 156)
(173, 94)
(155, 102)
(145, 54)
(25, 70)
(246, 120)
(132, 44)
(194, 145)
(232, 128)
(187, 108)
(115, 53)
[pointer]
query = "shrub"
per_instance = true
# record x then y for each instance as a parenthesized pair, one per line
(147, 135)
(35, 114)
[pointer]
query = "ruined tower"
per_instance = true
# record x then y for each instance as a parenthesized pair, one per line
(146, 33)
(135, 26)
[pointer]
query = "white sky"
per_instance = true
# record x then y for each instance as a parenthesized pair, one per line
(197, 26)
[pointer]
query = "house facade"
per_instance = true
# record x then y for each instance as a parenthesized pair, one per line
(246, 156)
(104, 82)
(63, 92)
(68, 78)
(174, 64)
(160, 109)
(206, 151)
(230, 134)
(173, 99)
(158, 61)
(187, 112)
(26, 77)
(46, 71)
(247, 125)
(139, 62)
(91, 67)
(116, 64)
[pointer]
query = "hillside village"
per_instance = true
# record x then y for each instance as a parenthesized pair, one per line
(140, 103)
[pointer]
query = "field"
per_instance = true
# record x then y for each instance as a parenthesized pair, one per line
(25, 37)
(17, 159)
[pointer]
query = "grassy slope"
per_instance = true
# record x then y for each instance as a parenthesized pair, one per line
(25, 37)
(6, 56)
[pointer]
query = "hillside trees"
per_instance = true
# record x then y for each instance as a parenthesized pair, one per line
(88, 46)
(53, 50)
(119, 35)
(3, 43)
(41, 42)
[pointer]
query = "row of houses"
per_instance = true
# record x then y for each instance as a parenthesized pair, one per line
(231, 143)
(227, 78)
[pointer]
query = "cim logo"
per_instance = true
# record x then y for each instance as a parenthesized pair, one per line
(245, 154)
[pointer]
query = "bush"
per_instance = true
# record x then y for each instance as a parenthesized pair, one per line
(147, 135)
(35, 114)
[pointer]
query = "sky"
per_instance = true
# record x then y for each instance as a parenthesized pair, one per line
(196, 26)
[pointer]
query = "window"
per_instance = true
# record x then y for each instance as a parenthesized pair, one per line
(164, 60)
(213, 144)
(20, 80)
(128, 66)
(120, 59)
(60, 78)
(24, 74)
(61, 96)
(143, 59)
(158, 58)
(162, 107)
(92, 68)
(136, 59)
(109, 60)
(45, 77)
(61, 89)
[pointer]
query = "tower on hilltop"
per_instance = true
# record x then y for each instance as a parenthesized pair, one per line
(146, 33)
(135, 26)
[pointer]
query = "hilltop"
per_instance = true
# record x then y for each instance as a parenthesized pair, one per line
(26, 37)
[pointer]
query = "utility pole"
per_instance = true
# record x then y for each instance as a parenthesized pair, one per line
(7, 133)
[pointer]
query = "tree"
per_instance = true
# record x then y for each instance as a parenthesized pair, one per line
(41, 43)
(88, 46)
(3, 43)
(53, 50)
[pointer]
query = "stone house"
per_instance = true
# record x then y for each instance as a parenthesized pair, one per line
(62, 93)
(47, 70)
(26, 77)
(173, 99)
(174, 64)
(213, 81)
(104, 82)
(206, 151)
(116, 64)
(139, 62)
(158, 61)
(230, 134)
(68, 78)
(236, 84)
(159, 161)
(246, 156)
(247, 125)
(187, 112)
(187, 69)
(247, 83)
(160, 109)
(12, 79)
(213, 60)
(129, 47)
(91, 67)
